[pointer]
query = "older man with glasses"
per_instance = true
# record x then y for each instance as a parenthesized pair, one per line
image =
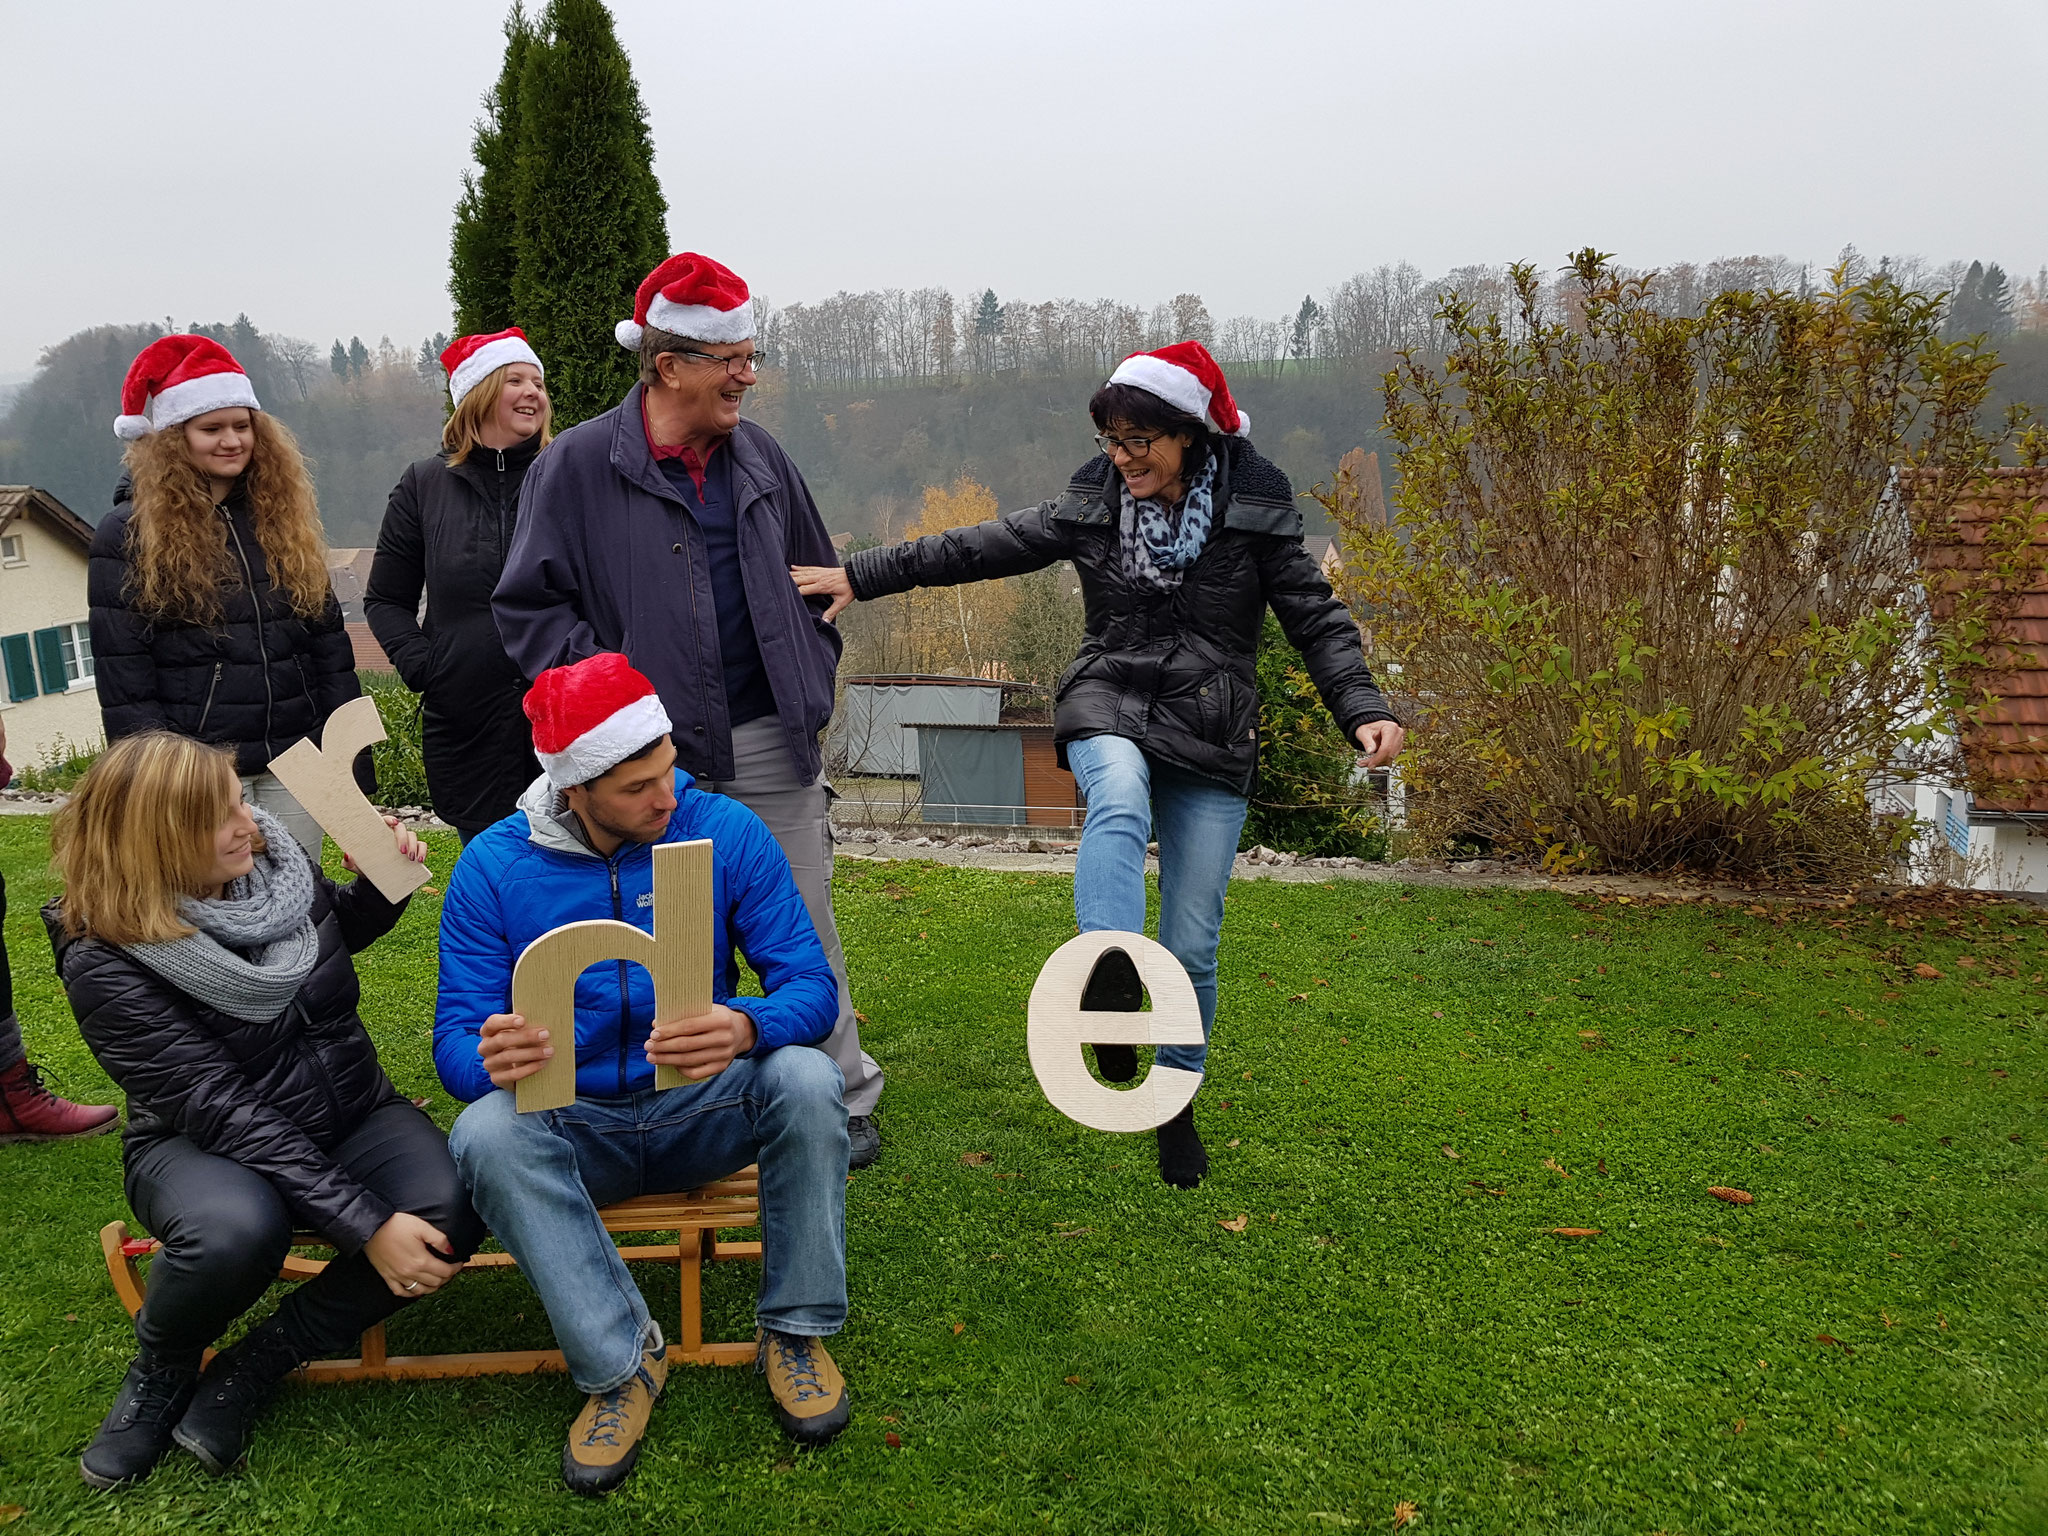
(665, 529)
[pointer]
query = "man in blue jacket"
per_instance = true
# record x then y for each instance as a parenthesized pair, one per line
(665, 528)
(581, 846)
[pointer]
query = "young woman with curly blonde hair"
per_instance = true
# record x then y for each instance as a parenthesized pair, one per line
(212, 615)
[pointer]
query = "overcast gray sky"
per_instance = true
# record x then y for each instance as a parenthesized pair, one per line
(299, 161)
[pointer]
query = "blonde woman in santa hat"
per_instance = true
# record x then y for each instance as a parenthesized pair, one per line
(1182, 536)
(212, 615)
(446, 533)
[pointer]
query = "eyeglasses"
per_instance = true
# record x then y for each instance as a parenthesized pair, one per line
(1136, 447)
(734, 366)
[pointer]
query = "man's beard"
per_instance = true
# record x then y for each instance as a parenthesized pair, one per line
(624, 834)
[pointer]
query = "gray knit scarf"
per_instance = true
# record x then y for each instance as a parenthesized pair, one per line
(256, 945)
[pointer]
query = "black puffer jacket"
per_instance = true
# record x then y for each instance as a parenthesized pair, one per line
(257, 681)
(446, 531)
(273, 1097)
(1172, 671)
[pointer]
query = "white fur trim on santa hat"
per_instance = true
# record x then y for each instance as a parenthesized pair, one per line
(700, 322)
(604, 746)
(1175, 385)
(487, 359)
(194, 397)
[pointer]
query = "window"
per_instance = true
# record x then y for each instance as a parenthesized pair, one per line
(11, 551)
(64, 656)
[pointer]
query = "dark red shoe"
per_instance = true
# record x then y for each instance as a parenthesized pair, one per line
(30, 1112)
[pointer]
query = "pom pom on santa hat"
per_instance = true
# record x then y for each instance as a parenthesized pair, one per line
(469, 360)
(694, 296)
(1186, 377)
(176, 378)
(590, 717)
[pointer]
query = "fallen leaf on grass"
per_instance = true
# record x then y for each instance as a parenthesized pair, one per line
(1233, 1141)
(9, 1513)
(1926, 972)
(1489, 943)
(1829, 1338)
(958, 1329)
(1452, 1155)
(1896, 1119)
(1247, 1077)
(859, 1017)
(1552, 1164)
(1346, 1040)
(1741, 1425)
(1480, 1185)
(1601, 1166)
(1575, 1231)
(1237, 1224)
(974, 1159)
(1886, 1317)
(70, 1317)
(1732, 1196)
(893, 1440)
(1405, 1514)
(1298, 997)
(1073, 1381)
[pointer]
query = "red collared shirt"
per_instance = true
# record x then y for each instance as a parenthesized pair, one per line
(693, 466)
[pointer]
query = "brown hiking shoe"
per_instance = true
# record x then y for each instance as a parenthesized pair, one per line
(30, 1112)
(604, 1442)
(811, 1399)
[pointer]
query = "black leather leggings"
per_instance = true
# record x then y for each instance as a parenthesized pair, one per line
(225, 1230)
(10, 1029)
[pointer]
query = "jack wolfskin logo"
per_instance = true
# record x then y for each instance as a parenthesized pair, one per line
(645, 899)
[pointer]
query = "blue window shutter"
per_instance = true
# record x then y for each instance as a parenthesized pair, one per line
(21, 668)
(50, 658)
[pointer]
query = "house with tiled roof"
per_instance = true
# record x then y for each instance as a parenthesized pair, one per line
(1992, 833)
(47, 695)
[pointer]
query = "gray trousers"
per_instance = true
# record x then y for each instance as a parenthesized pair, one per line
(264, 790)
(800, 816)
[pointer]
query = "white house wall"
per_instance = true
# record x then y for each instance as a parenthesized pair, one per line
(47, 589)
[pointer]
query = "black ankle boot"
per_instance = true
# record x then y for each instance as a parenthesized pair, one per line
(1114, 987)
(1182, 1157)
(233, 1392)
(137, 1429)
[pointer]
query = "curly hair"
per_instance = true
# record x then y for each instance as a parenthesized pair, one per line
(179, 563)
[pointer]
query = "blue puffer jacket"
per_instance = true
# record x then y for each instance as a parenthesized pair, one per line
(532, 872)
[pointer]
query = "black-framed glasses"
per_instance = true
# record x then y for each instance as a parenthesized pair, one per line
(1136, 447)
(734, 366)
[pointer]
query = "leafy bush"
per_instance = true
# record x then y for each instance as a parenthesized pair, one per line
(1306, 800)
(1653, 581)
(62, 766)
(401, 771)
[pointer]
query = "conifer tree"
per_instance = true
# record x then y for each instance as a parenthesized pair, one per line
(483, 252)
(591, 217)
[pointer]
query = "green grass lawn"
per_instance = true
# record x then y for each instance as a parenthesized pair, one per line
(1410, 1091)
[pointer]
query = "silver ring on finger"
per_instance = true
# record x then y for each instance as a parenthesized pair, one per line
(410, 1285)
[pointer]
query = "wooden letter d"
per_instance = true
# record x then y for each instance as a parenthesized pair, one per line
(677, 955)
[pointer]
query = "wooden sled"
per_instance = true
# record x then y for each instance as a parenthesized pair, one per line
(696, 1216)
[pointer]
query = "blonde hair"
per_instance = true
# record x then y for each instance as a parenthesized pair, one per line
(138, 833)
(462, 435)
(179, 561)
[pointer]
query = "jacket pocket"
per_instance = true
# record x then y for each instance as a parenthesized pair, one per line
(206, 710)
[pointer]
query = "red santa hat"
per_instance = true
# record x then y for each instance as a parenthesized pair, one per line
(175, 378)
(1186, 377)
(590, 717)
(694, 296)
(470, 360)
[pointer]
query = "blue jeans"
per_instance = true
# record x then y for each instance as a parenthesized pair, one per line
(537, 1180)
(1197, 821)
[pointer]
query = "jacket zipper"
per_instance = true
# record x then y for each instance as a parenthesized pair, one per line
(625, 1019)
(206, 711)
(256, 606)
(312, 1059)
